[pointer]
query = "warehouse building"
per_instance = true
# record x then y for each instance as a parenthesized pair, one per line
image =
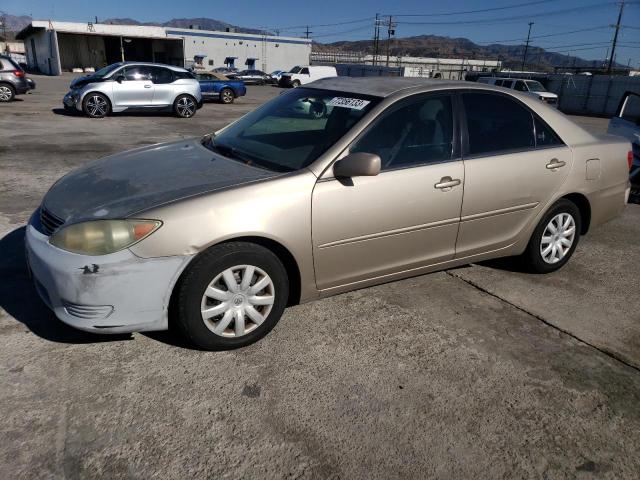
(54, 47)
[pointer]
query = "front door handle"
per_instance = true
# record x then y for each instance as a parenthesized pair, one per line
(555, 163)
(147, 86)
(446, 183)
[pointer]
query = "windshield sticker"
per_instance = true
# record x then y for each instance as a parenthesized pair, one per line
(354, 103)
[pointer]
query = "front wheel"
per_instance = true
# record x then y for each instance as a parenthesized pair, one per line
(185, 106)
(555, 238)
(295, 83)
(96, 105)
(231, 296)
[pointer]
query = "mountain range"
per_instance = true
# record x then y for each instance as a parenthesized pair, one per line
(418, 46)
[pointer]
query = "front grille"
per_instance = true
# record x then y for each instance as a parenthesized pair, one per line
(88, 312)
(50, 223)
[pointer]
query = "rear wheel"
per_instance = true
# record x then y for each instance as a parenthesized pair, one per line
(96, 105)
(226, 95)
(555, 238)
(7, 92)
(185, 106)
(231, 296)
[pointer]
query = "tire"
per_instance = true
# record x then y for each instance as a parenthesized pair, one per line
(226, 96)
(7, 92)
(212, 322)
(96, 105)
(539, 257)
(295, 83)
(185, 106)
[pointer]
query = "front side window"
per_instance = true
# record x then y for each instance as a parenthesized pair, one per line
(496, 123)
(305, 71)
(137, 73)
(291, 131)
(520, 86)
(535, 86)
(418, 132)
(507, 83)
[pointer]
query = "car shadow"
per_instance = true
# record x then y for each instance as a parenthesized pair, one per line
(74, 113)
(18, 297)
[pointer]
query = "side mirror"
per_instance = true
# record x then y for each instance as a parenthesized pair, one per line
(360, 164)
(120, 78)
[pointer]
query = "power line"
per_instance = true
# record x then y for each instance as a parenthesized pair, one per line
(517, 17)
(590, 29)
(483, 10)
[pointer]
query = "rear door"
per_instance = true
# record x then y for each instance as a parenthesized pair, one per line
(136, 89)
(163, 87)
(514, 163)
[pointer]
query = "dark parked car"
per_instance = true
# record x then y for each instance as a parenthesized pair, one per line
(256, 77)
(626, 123)
(219, 87)
(13, 80)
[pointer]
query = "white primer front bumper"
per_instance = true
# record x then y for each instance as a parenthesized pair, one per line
(113, 293)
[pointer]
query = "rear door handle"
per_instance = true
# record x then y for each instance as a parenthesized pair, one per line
(446, 183)
(555, 163)
(147, 86)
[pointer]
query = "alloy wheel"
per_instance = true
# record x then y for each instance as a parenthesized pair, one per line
(97, 106)
(237, 301)
(186, 107)
(557, 238)
(5, 93)
(227, 96)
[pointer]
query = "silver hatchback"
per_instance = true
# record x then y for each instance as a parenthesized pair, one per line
(135, 86)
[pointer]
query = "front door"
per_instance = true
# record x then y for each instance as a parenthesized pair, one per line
(136, 89)
(404, 218)
(514, 163)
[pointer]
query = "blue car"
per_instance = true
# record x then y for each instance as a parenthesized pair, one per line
(216, 86)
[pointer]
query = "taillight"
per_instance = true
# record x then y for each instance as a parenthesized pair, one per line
(18, 73)
(630, 159)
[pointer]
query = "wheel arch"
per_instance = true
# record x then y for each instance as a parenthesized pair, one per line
(584, 207)
(278, 249)
(105, 95)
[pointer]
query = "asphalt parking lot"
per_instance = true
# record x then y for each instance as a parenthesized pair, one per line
(479, 371)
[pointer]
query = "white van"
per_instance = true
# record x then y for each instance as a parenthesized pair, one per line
(532, 87)
(305, 74)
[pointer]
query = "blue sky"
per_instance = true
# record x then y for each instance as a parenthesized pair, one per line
(498, 25)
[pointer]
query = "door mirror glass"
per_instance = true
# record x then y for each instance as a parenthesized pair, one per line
(359, 164)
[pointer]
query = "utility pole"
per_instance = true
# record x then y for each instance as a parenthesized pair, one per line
(615, 38)
(376, 40)
(390, 32)
(526, 47)
(308, 32)
(3, 24)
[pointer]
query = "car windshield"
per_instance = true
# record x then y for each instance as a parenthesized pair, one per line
(535, 86)
(291, 131)
(103, 72)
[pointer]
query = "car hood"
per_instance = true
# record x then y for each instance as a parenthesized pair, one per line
(124, 184)
(546, 94)
(80, 82)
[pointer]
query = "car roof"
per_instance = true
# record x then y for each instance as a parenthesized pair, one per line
(170, 67)
(386, 86)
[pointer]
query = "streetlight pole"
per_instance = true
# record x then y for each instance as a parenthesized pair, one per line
(526, 47)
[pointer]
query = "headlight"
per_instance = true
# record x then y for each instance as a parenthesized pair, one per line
(100, 237)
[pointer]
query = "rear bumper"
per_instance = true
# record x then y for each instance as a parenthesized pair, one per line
(113, 293)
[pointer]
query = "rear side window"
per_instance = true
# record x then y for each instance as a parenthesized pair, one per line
(496, 123)
(305, 71)
(178, 75)
(545, 137)
(499, 83)
(161, 75)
